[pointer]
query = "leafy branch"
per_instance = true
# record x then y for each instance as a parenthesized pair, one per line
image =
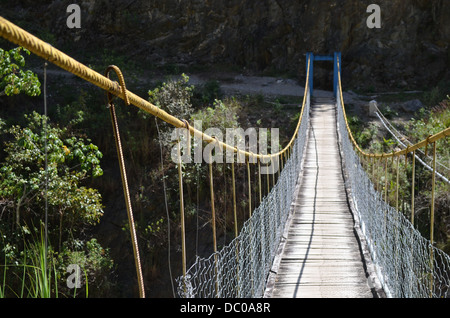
(13, 79)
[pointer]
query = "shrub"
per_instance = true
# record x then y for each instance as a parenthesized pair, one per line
(14, 80)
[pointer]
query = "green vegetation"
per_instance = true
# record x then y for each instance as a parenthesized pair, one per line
(13, 79)
(44, 172)
(363, 135)
(70, 159)
(429, 123)
(176, 96)
(207, 104)
(430, 120)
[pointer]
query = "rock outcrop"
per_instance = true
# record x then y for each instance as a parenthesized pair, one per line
(411, 49)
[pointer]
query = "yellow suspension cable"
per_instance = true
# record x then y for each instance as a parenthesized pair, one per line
(386, 180)
(410, 149)
(124, 176)
(44, 50)
(213, 210)
(249, 189)
(183, 231)
(413, 177)
(425, 142)
(433, 186)
(397, 182)
(233, 181)
(259, 181)
(17, 35)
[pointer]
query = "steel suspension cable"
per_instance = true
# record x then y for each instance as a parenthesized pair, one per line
(17, 35)
(442, 134)
(46, 51)
(124, 176)
(169, 263)
(180, 186)
(382, 119)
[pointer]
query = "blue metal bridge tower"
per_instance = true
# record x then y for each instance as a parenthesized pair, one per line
(334, 58)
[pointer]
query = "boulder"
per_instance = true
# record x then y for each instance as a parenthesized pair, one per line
(372, 108)
(411, 106)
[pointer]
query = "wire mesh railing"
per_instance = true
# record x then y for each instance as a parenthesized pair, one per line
(241, 268)
(404, 143)
(407, 264)
(256, 239)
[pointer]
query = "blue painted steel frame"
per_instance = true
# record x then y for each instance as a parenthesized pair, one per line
(333, 58)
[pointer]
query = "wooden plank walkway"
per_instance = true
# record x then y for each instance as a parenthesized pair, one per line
(321, 257)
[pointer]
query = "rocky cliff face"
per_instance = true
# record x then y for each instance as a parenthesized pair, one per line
(411, 49)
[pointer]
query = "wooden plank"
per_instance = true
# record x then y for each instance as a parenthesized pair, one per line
(321, 257)
(322, 291)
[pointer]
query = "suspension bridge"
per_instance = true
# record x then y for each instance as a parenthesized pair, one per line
(324, 227)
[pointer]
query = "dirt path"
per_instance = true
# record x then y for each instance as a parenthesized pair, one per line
(235, 83)
(264, 85)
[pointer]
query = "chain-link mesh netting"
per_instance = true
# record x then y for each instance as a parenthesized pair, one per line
(241, 268)
(407, 264)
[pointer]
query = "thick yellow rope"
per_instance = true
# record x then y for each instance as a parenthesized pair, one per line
(17, 35)
(423, 143)
(20, 37)
(123, 173)
(431, 139)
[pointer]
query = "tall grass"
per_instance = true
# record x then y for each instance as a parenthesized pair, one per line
(3, 284)
(36, 277)
(40, 271)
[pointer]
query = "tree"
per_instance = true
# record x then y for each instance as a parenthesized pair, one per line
(14, 80)
(43, 165)
(70, 160)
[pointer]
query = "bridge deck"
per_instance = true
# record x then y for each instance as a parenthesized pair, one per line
(321, 257)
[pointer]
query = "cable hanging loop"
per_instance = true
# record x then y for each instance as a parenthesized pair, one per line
(121, 83)
(123, 173)
(188, 136)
